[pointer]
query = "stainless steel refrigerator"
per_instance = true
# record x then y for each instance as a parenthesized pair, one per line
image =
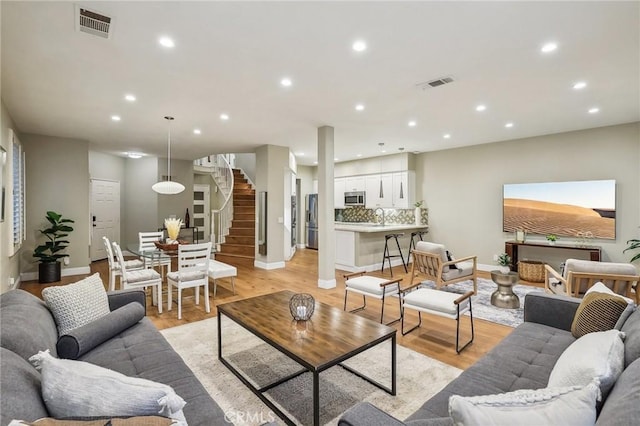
(311, 206)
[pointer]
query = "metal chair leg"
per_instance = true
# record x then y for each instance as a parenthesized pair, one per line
(458, 348)
(404, 265)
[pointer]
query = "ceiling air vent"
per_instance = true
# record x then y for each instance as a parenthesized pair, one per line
(91, 22)
(435, 83)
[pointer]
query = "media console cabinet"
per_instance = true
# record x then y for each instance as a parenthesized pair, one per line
(511, 248)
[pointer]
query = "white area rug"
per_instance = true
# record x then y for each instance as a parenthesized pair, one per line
(418, 377)
(482, 307)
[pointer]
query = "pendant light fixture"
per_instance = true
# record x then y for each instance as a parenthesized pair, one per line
(167, 187)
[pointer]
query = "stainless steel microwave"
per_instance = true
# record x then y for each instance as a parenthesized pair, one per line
(354, 198)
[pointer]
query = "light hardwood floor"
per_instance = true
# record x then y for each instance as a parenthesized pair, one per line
(435, 338)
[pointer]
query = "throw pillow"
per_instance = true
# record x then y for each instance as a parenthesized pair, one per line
(77, 388)
(75, 305)
(594, 356)
(575, 405)
(601, 309)
(450, 258)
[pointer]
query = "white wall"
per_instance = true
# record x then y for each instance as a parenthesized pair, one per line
(139, 200)
(247, 162)
(182, 172)
(462, 188)
(57, 178)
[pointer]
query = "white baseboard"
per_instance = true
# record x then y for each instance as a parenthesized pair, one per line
(268, 265)
(66, 272)
(301, 245)
(327, 284)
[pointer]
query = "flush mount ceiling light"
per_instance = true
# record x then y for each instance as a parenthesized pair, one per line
(167, 187)
(549, 47)
(359, 45)
(134, 155)
(166, 42)
(286, 82)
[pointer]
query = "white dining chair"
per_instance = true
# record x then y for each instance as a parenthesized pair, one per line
(114, 264)
(146, 241)
(140, 278)
(193, 272)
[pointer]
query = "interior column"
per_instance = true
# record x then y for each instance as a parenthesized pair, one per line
(326, 234)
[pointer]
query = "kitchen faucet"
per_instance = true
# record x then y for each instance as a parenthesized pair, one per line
(375, 212)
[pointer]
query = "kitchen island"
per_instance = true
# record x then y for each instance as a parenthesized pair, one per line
(360, 246)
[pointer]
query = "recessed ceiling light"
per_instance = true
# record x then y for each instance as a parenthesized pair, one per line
(412, 123)
(224, 117)
(508, 125)
(358, 155)
(286, 82)
(359, 46)
(480, 108)
(197, 131)
(549, 47)
(134, 155)
(383, 151)
(300, 154)
(315, 162)
(166, 42)
(594, 110)
(115, 118)
(446, 136)
(580, 85)
(130, 98)
(359, 107)
(335, 159)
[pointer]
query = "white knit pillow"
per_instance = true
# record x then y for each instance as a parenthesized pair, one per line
(79, 389)
(74, 305)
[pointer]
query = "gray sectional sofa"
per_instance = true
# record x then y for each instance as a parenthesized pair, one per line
(524, 360)
(27, 326)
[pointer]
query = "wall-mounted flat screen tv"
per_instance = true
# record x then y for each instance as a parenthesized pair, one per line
(569, 209)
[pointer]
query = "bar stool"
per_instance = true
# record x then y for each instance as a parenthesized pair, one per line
(388, 256)
(412, 243)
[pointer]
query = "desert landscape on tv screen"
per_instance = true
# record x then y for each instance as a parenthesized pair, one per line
(569, 209)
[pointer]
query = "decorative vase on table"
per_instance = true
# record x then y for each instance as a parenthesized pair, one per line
(187, 219)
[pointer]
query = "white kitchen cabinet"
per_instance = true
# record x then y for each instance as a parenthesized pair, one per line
(372, 187)
(354, 183)
(403, 190)
(338, 193)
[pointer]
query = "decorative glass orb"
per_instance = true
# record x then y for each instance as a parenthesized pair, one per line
(301, 306)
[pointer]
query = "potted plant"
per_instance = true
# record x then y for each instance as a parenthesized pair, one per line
(50, 253)
(634, 244)
(552, 239)
(504, 260)
(418, 211)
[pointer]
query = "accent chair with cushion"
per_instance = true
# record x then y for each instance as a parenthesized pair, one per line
(580, 275)
(430, 260)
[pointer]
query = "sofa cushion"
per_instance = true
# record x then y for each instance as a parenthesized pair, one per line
(631, 329)
(598, 312)
(76, 388)
(548, 406)
(594, 356)
(77, 304)
(20, 389)
(523, 360)
(140, 351)
(82, 339)
(621, 407)
(108, 421)
(20, 311)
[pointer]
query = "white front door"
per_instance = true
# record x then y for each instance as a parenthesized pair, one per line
(105, 215)
(202, 211)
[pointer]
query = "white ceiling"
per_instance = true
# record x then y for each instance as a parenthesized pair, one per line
(230, 56)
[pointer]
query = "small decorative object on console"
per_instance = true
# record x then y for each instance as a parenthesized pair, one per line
(552, 238)
(302, 306)
(521, 235)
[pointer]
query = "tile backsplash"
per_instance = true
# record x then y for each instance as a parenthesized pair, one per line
(391, 216)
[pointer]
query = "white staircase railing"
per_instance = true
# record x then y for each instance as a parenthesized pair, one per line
(222, 173)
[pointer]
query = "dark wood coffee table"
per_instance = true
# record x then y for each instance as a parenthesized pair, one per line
(335, 337)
